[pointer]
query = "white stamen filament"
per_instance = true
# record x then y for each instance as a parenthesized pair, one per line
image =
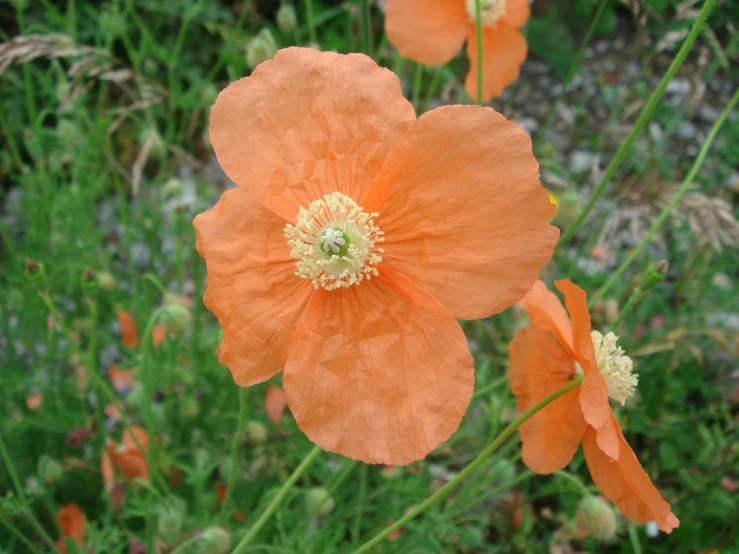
(617, 369)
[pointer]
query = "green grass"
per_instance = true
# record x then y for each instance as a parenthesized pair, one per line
(67, 168)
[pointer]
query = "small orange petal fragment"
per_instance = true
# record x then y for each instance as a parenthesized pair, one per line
(34, 401)
(274, 403)
(129, 330)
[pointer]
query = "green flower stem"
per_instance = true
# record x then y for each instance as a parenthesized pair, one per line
(366, 27)
(570, 74)
(673, 201)
(235, 443)
(634, 299)
(444, 491)
(311, 22)
(286, 488)
(432, 88)
(525, 476)
(478, 28)
(415, 95)
(93, 368)
(357, 526)
(334, 484)
(574, 480)
(490, 387)
(22, 495)
(20, 536)
(644, 118)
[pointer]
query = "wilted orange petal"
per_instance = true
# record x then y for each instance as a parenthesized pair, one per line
(430, 32)
(129, 330)
(71, 522)
(158, 334)
(626, 484)
(539, 367)
(546, 312)
(577, 306)
(34, 401)
(462, 210)
(516, 13)
(274, 403)
(504, 51)
(379, 372)
(307, 123)
(120, 378)
(252, 287)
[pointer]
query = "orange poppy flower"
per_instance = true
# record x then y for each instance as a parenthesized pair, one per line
(355, 238)
(431, 32)
(72, 523)
(122, 379)
(125, 458)
(129, 330)
(34, 401)
(545, 356)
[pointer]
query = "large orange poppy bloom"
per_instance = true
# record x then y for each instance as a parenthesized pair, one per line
(125, 458)
(545, 356)
(357, 234)
(72, 524)
(431, 32)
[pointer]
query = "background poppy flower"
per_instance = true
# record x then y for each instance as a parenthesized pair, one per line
(395, 227)
(129, 329)
(431, 32)
(72, 524)
(125, 458)
(548, 354)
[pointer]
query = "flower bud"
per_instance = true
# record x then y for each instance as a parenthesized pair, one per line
(169, 523)
(287, 19)
(89, 282)
(318, 501)
(654, 274)
(261, 48)
(173, 187)
(176, 317)
(49, 469)
(215, 540)
(158, 148)
(256, 432)
(598, 518)
(568, 209)
(106, 281)
(34, 271)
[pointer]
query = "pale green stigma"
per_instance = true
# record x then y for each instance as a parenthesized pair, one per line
(334, 242)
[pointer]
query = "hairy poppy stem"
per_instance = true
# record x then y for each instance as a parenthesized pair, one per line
(366, 28)
(673, 201)
(478, 28)
(444, 491)
(570, 74)
(644, 118)
(238, 438)
(308, 460)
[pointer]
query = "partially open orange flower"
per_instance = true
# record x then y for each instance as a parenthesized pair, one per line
(357, 234)
(433, 31)
(125, 458)
(548, 354)
(72, 524)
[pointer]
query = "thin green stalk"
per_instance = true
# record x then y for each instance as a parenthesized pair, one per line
(366, 27)
(478, 27)
(574, 480)
(444, 491)
(93, 368)
(357, 526)
(235, 443)
(311, 23)
(673, 201)
(490, 387)
(432, 88)
(20, 536)
(635, 544)
(644, 118)
(633, 300)
(286, 488)
(491, 493)
(334, 484)
(21, 494)
(417, 78)
(570, 73)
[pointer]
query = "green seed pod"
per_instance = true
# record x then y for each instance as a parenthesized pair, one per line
(173, 187)
(169, 523)
(256, 432)
(568, 209)
(176, 316)
(318, 501)
(287, 19)
(261, 48)
(215, 540)
(106, 281)
(598, 518)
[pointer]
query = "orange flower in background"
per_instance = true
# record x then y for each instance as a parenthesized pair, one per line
(125, 459)
(72, 524)
(548, 354)
(122, 379)
(129, 330)
(274, 403)
(431, 32)
(355, 238)
(34, 401)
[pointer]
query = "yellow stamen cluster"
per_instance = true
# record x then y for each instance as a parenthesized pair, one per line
(490, 11)
(615, 367)
(334, 242)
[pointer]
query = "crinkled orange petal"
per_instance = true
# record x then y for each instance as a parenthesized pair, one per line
(121, 379)
(539, 367)
(504, 51)
(141, 436)
(71, 522)
(625, 483)
(430, 32)
(462, 210)
(274, 403)
(129, 330)
(379, 372)
(546, 312)
(308, 123)
(252, 288)
(516, 13)
(593, 392)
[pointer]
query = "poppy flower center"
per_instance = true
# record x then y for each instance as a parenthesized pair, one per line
(334, 242)
(615, 367)
(490, 11)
